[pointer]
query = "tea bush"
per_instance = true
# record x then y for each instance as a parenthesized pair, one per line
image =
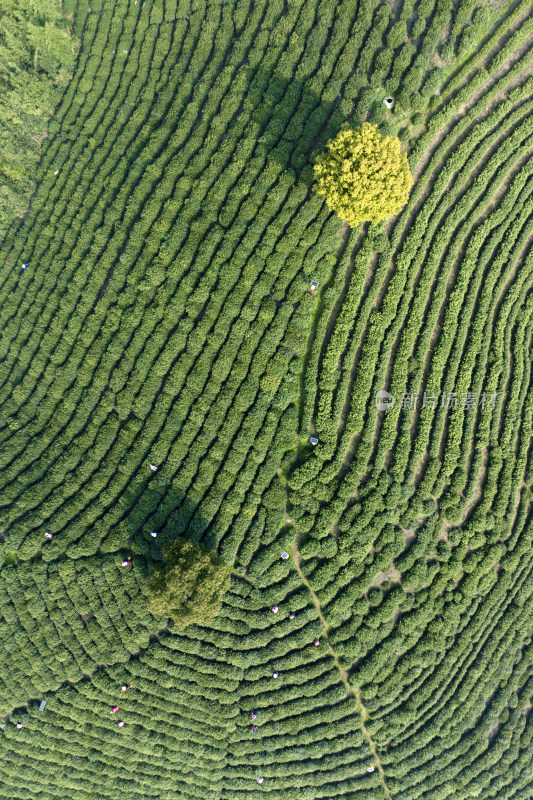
(166, 317)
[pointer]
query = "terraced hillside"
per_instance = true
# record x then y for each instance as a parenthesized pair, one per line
(166, 317)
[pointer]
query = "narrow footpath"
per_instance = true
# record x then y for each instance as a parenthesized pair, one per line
(354, 692)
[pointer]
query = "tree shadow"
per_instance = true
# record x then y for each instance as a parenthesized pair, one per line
(294, 123)
(158, 507)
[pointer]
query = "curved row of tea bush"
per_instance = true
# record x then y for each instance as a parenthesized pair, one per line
(166, 318)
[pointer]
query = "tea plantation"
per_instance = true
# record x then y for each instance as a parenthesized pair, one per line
(165, 318)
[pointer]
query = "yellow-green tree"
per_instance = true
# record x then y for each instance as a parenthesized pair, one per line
(363, 175)
(189, 584)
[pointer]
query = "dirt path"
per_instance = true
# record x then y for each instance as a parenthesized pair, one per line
(352, 691)
(469, 104)
(446, 526)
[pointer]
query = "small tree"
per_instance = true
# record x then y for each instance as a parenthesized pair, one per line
(363, 175)
(189, 584)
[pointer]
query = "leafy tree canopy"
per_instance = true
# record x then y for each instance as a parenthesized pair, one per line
(189, 584)
(363, 175)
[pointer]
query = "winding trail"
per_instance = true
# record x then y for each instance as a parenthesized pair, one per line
(353, 691)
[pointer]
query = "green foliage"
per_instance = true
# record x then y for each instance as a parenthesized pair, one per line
(363, 175)
(10, 558)
(37, 55)
(189, 585)
(166, 318)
